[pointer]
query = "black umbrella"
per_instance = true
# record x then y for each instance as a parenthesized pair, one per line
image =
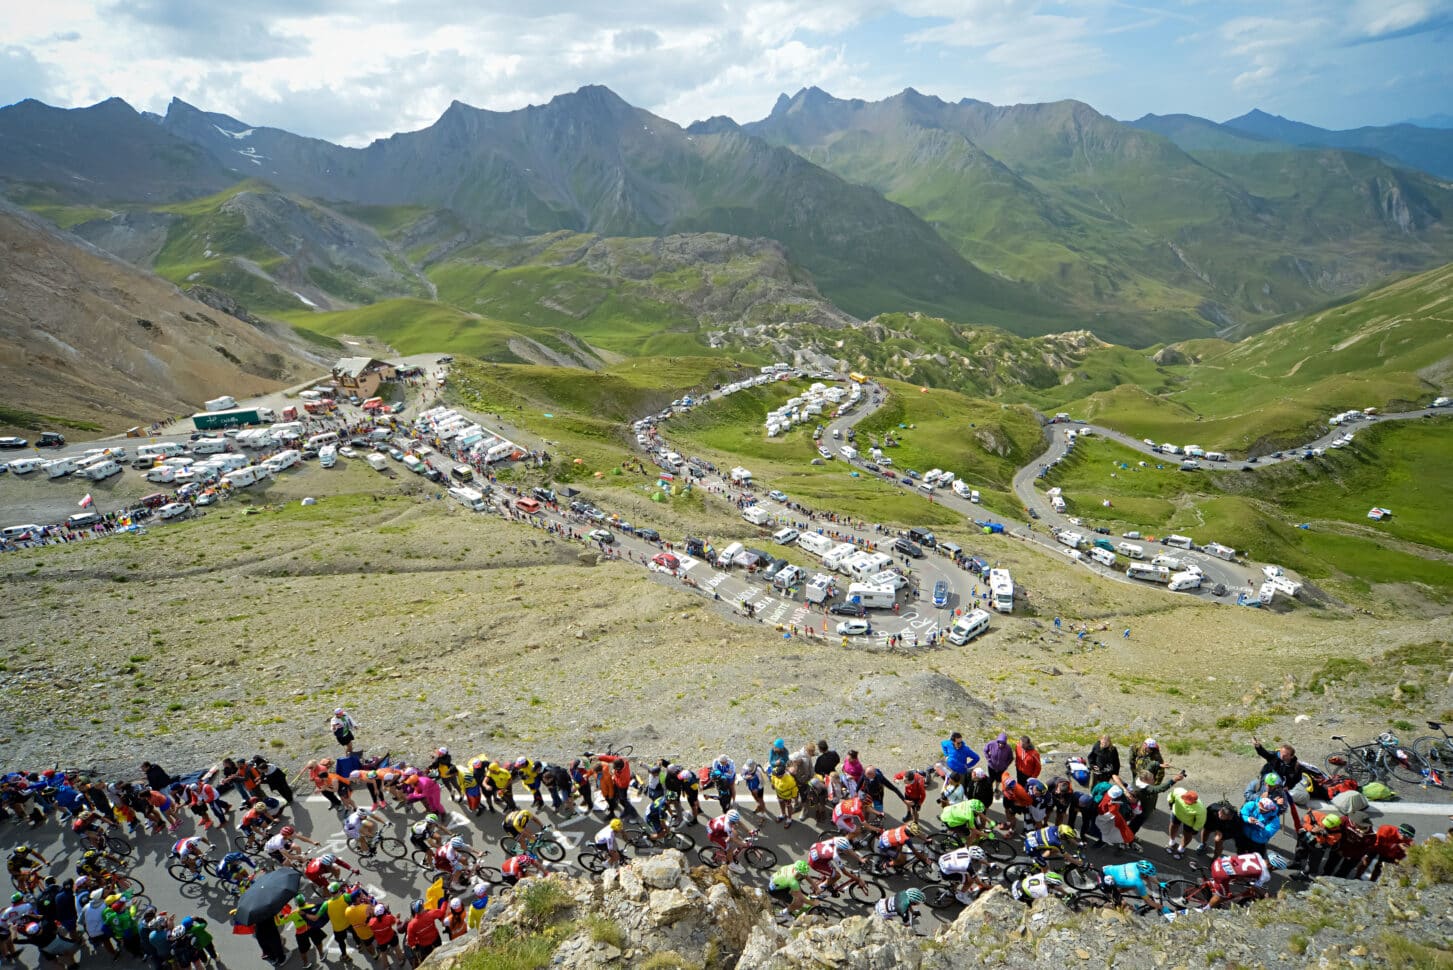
(267, 896)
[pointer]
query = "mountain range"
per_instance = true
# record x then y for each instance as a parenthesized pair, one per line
(1031, 218)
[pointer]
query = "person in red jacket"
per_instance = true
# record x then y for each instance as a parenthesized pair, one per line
(1026, 760)
(1110, 805)
(385, 936)
(1389, 844)
(1017, 801)
(915, 792)
(620, 801)
(422, 932)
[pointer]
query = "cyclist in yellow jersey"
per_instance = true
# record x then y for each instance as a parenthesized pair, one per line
(525, 825)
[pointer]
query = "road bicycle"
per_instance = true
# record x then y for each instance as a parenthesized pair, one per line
(1196, 894)
(385, 846)
(1384, 760)
(542, 846)
(116, 882)
(1436, 754)
(755, 856)
(995, 846)
(1077, 874)
(624, 751)
(643, 840)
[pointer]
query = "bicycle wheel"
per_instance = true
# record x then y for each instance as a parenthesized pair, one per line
(711, 855)
(624, 751)
(243, 842)
(998, 849)
(1435, 752)
(681, 841)
(759, 857)
(943, 843)
(489, 874)
(118, 846)
(142, 902)
(389, 846)
(867, 892)
(1093, 900)
(1185, 894)
(1351, 766)
(939, 897)
(127, 884)
(1017, 871)
(924, 871)
(182, 872)
(1080, 878)
(422, 858)
(1409, 772)
(593, 861)
(510, 846)
(548, 849)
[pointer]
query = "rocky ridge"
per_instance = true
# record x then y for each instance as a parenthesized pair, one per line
(659, 913)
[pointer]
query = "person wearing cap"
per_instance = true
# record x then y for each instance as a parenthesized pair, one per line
(1187, 818)
(1146, 793)
(384, 925)
(309, 921)
(1260, 820)
(359, 911)
(456, 924)
(338, 917)
(93, 922)
(421, 934)
(342, 726)
(478, 904)
(1147, 756)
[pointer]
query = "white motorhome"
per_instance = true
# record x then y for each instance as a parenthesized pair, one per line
(961, 489)
(933, 475)
(161, 474)
(327, 456)
(1180, 542)
(58, 468)
(848, 452)
(1103, 556)
(1001, 590)
(866, 564)
(1215, 456)
(283, 460)
(162, 449)
(414, 464)
(835, 557)
(1057, 502)
(1184, 581)
(817, 588)
(229, 462)
(378, 462)
(1195, 451)
(788, 576)
(815, 543)
(1072, 539)
(1219, 551)
(243, 477)
(756, 515)
(469, 498)
(968, 626)
(209, 446)
(223, 403)
(871, 597)
(1169, 562)
(888, 577)
(1131, 550)
(326, 438)
(103, 470)
(1148, 572)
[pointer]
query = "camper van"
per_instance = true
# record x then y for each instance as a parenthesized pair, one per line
(244, 477)
(818, 588)
(1220, 551)
(469, 498)
(863, 566)
(788, 576)
(229, 462)
(209, 446)
(1103, 556)
(814, 543)
(1131, 550)
(1001, 590)
(968, 626)
(58, 467)
(1148, 572)
(161, 474)
(871, 597)
(103, 470)
(1184, 581)
(1180, 542)
(326, 438)
(837, 555)
(756, 515)
(378, 462)
(283, 460)
(164, 449)
(327, 456)
(1072, 539)
(961, 489)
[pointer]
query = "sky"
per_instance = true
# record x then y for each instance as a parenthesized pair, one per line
(354, 70)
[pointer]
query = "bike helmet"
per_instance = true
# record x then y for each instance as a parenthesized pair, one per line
(327, 858)
(458, 842)
(300, 899)
(801, 867)
(32, 929)
(977, 854)
(17, 897)
(914, 896)
(1067, 832)
(1145, 867)
(177, 932)
(481, 890)
(1116, 793)
(1266, 805)
(616, 825)
(431, 818)
(913, 828)
(1271, 780)
(288, 832)
(372, 776)
(416, 907)
(335, 887)
(89, 855)
(1408, 831)
(1034, 785)
(975, 805)
(1332, 822)
(441, 752)
(1056, 877)
(841, 844)
(734, 816)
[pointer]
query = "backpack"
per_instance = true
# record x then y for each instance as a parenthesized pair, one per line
(1376, 791)
(1340, 785)
(1098, 792)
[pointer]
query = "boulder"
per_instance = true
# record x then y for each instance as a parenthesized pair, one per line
(668, 906)
(662, 871)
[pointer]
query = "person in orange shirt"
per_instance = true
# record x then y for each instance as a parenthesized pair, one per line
(1026, 760)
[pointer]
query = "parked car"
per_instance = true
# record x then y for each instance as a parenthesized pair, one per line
(82, 519)
(650, 535)
(601, 535)
(908, 548)
(10, 441)
(51, 439)
(847, 609)
(854, 628)
(173, 510)
(777, 495)
(940, 593)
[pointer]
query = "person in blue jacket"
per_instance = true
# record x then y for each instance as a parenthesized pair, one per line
(778, 755)
(1260, 820)
(958, 757)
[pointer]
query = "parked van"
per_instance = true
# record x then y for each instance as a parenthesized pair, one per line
(893, 580)
(1180, 542)
(243, 477)
(756, 515)
(1148, 572)
(817, 588)
(1131, 550)
(848, 452)
(24, 466)
(1103, 556)
(788, 576)
(932, 475)
(209, 446)
(968, 626)
(59, 467)
(1072, 539)
(326, 438)
(728, 554)
(1220, 551)
(835, 557)
(530, 506)
(815, 543)
(469, 498)
(283, 460)
(103, 470)
(16, 531)
(327, 456)
(926, 487)
(378, 462)
(414, 464)
(872, 597)
(1184, 581)
(1169, 562)
(961, 489)
(161, 474)
(974, 496)
(230, 462)
(164, 449)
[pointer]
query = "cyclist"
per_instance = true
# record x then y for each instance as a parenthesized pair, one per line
(963, 865)
(608, 840)
(524, 825)
(362, 829)
(826, 859)
(326, 868)
(724, 833)
(428, 834)
(786, 886)
(1050, 842)
(656, 809)
(901, 905)
(1129, 878)
(92, 824)
(453, 857)
(1248, 868)
(967, 820)
(283, 847)
(91, 864)
(24, 865)
(892, 844)
(235, 867)
(190, 852)
(257, 819)
(854, 813)
(517, 867)
(1039, 885)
